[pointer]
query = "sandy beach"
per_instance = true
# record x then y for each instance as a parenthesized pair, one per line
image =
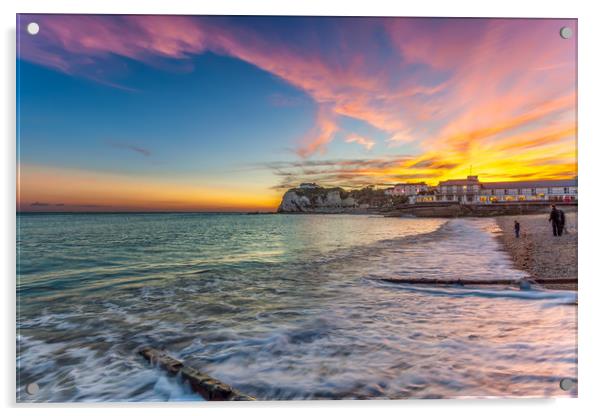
(538, 252)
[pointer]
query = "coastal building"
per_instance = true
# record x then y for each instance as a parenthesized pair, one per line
(406, 189)
(464, 191)
(417, 199)
(473, 191)
(545, 190)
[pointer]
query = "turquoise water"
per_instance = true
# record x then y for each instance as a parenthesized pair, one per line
(281, 307)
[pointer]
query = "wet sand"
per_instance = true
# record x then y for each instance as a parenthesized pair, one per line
(538, 252)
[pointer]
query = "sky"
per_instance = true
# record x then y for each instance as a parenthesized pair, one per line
(224, 113)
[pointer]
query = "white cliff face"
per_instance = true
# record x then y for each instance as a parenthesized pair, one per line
(291, 202)
(331, 201)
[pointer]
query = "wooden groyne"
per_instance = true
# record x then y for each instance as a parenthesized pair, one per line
(470, 282)
(201, 383)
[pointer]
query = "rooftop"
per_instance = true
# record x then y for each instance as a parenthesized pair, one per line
(411, 184)
(460, 182)
(474, 180)
(530, 184)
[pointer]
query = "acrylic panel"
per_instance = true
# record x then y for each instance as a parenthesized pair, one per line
(295, 208)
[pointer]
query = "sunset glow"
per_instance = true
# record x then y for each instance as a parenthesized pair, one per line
(183, 113)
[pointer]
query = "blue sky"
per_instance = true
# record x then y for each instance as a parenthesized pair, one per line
(262, 103)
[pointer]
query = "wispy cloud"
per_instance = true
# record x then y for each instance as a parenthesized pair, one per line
(347, 172)
(137, 149)
(320, 135)
(399, 138)
(46, 204)
(463, 90)
(367, 143)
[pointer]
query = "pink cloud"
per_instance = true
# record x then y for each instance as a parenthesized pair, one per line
(446, 84)
(320, 135)
(368, 144)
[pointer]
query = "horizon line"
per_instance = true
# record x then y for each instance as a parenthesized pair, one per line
(144, 212)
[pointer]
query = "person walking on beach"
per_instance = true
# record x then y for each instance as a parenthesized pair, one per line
(561, 224)
(555, 219)
(516, 228)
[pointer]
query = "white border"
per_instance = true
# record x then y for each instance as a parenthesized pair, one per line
(590, 175)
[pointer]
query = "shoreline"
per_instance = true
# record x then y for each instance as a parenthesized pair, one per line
(538, 252)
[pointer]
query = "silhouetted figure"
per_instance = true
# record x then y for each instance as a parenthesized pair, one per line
(516, 228)
(556, 220)
(562, 222)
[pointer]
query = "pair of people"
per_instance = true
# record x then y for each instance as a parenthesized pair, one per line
(557, 220)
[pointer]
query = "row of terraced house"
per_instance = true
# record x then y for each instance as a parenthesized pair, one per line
(473, 191)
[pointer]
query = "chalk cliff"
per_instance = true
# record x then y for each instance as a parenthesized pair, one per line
(316, 200)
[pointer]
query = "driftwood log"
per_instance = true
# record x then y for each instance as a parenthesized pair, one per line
(464, 282)
(201, 383)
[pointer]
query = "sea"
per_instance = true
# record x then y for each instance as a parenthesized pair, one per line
(281, 307)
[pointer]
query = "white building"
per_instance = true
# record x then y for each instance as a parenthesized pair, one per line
(464, 191)
(407, 189)
(472, 191)
(547, 190)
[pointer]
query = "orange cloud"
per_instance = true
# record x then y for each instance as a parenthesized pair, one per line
(495, 94)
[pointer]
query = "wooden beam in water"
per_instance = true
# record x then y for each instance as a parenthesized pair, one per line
(466, 282)
(201, 383)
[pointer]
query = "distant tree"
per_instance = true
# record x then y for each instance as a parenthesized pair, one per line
(400, 200)
(369, 195)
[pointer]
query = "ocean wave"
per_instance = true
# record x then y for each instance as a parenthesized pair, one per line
(313, 322)
(557, 296)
